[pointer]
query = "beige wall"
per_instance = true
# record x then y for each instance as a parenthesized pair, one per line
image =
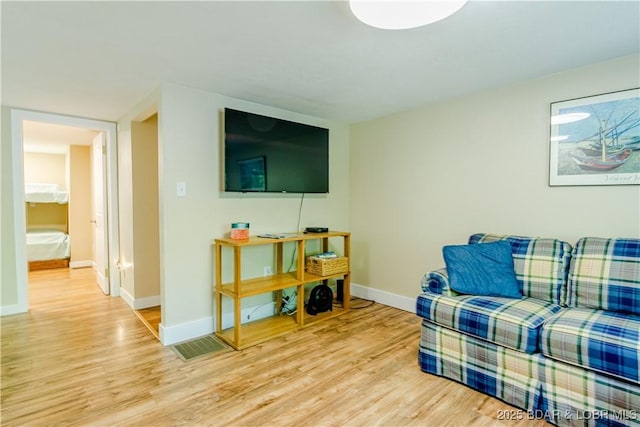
(81, 229)
(47, 215)
(46, 168)
(146, 244)
(433, 176)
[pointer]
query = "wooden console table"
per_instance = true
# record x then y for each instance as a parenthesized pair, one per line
(244, 335)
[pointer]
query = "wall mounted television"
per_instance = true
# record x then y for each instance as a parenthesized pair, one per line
(270, 155)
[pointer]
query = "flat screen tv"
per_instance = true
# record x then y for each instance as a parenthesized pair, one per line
(270, 155)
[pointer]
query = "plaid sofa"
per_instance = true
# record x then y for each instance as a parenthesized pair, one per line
(568, 351)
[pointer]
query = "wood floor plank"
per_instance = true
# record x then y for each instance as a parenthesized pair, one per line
(81, 358)
(151, 317)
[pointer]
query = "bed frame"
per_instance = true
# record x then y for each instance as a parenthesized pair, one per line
(48, 264)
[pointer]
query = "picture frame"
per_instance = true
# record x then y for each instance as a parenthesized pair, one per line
(252, 174)
(595, 140)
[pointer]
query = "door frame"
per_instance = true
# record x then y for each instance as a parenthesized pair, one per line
(99, 204)
(112, 225)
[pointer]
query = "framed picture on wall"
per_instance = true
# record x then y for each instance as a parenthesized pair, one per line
(596, 140)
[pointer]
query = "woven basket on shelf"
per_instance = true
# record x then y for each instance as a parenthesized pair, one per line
(327, 266)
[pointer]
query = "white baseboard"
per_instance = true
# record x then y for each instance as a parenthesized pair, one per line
(383, 297)
(80, 264)
(205, 326)
(187, 331)
(146, 302)
(126, 296)
(8, 310)
(139, 303)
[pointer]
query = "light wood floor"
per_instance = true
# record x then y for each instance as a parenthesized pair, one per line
(81, 358)
(151, 317)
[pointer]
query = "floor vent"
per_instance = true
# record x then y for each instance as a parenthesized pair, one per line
(199, 347)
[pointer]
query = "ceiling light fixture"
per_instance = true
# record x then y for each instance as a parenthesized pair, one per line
(402, 14)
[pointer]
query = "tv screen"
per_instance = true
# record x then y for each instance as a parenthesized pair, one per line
(266, 154)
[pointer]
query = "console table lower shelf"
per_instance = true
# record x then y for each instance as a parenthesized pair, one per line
(262, 330)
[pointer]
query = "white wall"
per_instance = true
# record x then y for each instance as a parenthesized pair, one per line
(9, 293)
(125, 212)
(433, 176)
(189, 151)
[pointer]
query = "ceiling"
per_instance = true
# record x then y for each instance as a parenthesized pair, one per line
(39, 137)
(98, 59)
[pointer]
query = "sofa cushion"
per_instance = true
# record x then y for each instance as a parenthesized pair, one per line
(600, 340)
(541, 265)
(513, 323)
(605, 274)
(482, 269)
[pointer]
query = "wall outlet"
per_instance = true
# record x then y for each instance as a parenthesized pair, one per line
(267, 270)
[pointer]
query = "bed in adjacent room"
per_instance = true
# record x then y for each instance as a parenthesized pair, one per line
(48, 244)
(45, 193)
(47, 248)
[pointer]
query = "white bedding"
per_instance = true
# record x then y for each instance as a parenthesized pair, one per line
(45, 193)
(47, 244)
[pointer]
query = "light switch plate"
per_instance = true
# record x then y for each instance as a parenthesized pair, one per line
(181, 189)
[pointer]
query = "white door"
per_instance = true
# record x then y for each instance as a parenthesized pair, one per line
(99, 203)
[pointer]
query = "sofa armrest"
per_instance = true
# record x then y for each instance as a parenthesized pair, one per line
(437, 282)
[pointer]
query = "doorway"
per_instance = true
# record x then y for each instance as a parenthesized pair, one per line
(141, 283)
(111, 255)
(64, 195)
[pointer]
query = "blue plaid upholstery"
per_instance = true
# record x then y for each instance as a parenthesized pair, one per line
(492, 369)
(541, 265)
(514, 323)
(574, 396)
(437, 282)
(605, 274)
(563, 394)
(601, 340)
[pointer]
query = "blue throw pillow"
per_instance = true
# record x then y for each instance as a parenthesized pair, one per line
(482, 269)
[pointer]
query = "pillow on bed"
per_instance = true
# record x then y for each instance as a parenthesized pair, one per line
(482, 269)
